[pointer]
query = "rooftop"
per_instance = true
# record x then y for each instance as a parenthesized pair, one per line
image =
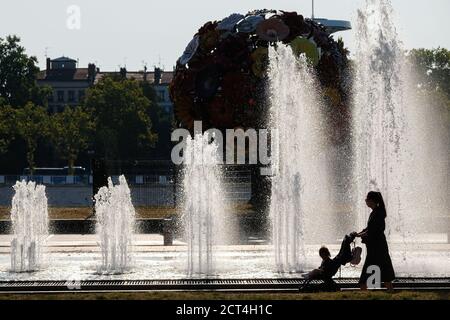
(63, 59)
(166, 76)
(78, 74)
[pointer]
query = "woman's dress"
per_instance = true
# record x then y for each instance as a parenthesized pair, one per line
(377, 248)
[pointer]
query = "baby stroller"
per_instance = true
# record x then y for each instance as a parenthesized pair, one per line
(323, 276)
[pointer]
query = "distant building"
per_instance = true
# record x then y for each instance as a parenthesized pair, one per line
(68, 82)
(159, 78)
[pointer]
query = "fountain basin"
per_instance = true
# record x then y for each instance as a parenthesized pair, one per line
(76, 257)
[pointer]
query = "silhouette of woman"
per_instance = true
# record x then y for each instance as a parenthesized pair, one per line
(376, 244)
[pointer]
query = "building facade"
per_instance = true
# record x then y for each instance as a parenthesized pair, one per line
(69, 83)
(159, 79)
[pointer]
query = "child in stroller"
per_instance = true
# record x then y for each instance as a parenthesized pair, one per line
(329, 267)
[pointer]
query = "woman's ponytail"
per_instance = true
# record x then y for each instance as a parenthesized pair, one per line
(381, 204)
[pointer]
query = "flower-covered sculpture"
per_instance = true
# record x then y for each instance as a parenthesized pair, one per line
(220, 78)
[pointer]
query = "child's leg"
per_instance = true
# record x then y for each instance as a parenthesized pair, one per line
(314, 274)
(330, 285)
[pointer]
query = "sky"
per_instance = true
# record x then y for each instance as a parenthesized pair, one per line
(134, 33)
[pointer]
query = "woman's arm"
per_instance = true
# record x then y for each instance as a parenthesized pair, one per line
(362, 233)
(375, 226)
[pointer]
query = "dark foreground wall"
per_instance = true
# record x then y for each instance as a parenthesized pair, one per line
(88, 226)
(246, 228)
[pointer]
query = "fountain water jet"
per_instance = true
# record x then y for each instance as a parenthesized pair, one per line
(29, 216)
(300, 185)
(204, 207)
(115, 226)
(401, 146)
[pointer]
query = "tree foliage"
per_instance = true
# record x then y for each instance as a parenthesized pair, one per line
(18, 75)
(71, 133)
(121, 113)
(31, 123)
(161, 122)
(433, 68)
(6, 127)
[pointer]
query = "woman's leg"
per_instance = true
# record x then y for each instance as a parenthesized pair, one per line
(364, 276)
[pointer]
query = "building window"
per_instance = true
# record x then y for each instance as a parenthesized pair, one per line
(50, 97)
(71, 96)
(60, 96)
(80, 95)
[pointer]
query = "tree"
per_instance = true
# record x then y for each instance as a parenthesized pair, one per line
(31, 123)
(161, 122)
(121, 116)
(71, 133)
(18, 75)
(432, 68)
(6, 127)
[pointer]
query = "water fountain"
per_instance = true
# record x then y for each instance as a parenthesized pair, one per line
(115, 226)
(204, 209)
(300, 198)
(29, 216)
(401, 143)
(401, 149)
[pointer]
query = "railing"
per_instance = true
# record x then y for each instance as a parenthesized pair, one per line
(84, 179)
(47, 179)
(147, 189)
(230, 177)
